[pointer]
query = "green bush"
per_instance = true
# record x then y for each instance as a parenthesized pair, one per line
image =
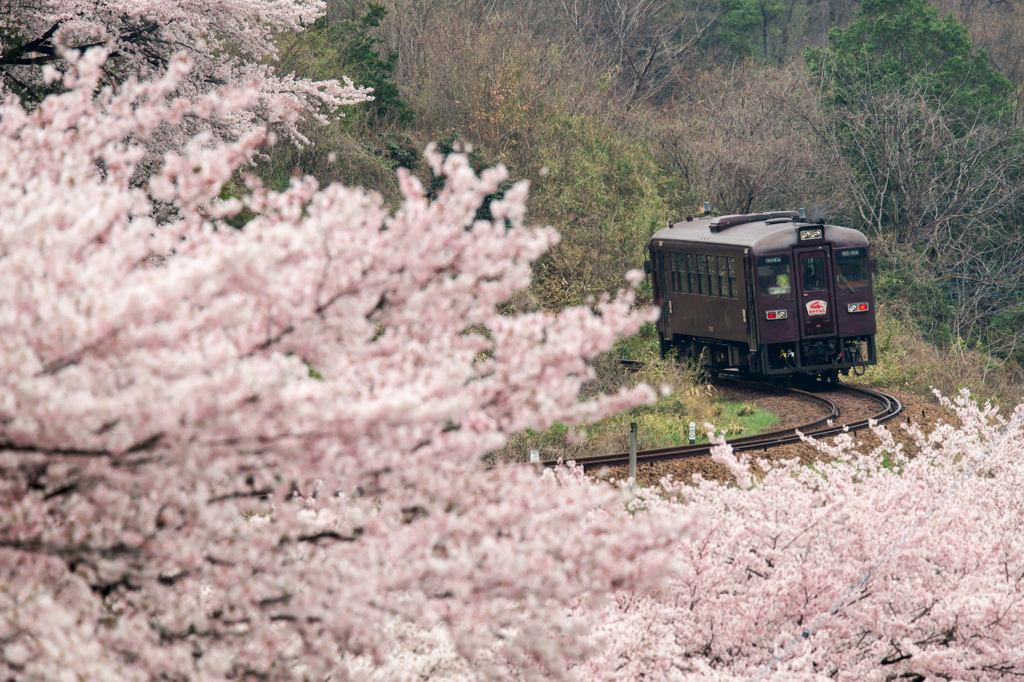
(917, 294)
(601, 191)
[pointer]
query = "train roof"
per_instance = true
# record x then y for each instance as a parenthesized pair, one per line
(761, 232)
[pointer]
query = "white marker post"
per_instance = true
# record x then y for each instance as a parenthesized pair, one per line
(693, 433)
(632, 451)
(534, 455)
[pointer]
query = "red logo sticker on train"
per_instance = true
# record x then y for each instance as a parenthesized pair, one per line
(815, 308)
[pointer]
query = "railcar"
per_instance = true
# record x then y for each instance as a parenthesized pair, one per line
(765, 294)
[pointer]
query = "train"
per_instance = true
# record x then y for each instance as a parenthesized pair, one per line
(768, 295)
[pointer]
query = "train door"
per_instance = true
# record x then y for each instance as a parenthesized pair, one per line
(661, 296)
(816, 302)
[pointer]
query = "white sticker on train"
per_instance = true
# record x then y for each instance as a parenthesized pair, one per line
(815, 308)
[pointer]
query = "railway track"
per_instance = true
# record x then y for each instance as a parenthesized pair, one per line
(820, 428)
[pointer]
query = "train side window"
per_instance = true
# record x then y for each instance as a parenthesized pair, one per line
(773, 276)
(672, 263)
(683, 282)
(713, 275)
(661, 274)
(733, 292)
(723, 276)
(852, 268)
(691, 269)
(702, 270)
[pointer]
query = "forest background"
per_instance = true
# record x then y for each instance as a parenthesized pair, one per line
(902, 119)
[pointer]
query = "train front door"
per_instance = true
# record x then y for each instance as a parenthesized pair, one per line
(817, 306)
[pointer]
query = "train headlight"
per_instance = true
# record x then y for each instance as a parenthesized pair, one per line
(856, 307)
(806, 235)
(776, 314)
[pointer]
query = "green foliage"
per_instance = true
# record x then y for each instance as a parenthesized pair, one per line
(336, 155)
(451, 143)
(363, 144)
(1004, 330)
(347, 48)
(231, 191)
(908, 361)
(925, 127)
(641, 346)
(402, 154)
(667, 422)
(602, 192)
(894, 42)
(899, 285)
(761, 28)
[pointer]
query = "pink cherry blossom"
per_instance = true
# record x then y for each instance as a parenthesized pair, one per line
(227, 42)
(181, 500)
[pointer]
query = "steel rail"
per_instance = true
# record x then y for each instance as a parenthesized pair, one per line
(820, 428)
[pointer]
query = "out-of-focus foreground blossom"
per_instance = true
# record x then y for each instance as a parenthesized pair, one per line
(179, 499)
(228, 42)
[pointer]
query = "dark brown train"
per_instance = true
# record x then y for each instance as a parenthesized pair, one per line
(765, 294)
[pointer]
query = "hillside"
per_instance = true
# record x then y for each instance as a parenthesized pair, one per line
(902, 119)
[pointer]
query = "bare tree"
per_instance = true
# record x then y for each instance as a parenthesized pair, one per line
(925, 177)
(917, 168)
(641, 41)
(737, 142)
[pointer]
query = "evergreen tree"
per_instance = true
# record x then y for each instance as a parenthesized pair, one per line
(894, 43)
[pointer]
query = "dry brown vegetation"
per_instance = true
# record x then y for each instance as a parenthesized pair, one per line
(907, 361)
(744, 139)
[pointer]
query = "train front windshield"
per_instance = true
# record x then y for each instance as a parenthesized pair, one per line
(852, 268)
(773, 277)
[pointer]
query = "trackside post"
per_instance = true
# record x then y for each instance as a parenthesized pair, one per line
(632, 451)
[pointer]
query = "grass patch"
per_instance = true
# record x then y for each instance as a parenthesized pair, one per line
(667, 423)
(664, 423)
(744, 419)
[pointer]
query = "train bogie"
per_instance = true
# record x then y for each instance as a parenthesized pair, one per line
(765, 294)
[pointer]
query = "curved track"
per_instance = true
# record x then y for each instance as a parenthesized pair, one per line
(820, 428)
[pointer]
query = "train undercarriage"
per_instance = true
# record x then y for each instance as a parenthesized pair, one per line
(823, 359)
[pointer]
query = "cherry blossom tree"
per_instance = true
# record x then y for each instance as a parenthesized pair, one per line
(229, 42)
(181, 499)
(256, 453)
(875, 566)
